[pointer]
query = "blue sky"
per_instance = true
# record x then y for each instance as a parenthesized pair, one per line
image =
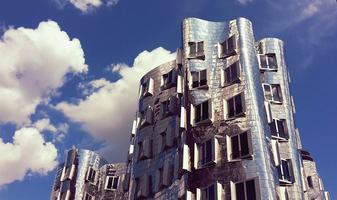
(69, 72)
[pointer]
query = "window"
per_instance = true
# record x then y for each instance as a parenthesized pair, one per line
(209, 193)
(203, 112)
(111, 182)
(228, 47)
(91, 175)
(169, 79)
(239, 146)
(87, 196)
(285, 172)
(206, 152)
(169, 107)
(231, 74)
(196, 49)
(245, 190)
(147, 88)
(268, 62)
(199, 79)
(279, 129)
(235, 106)
(310, 183)
(146, 117)
(272, 92)
(144, 149)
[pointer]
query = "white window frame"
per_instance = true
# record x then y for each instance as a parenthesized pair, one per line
(199, 79)
(201, 193)
(267, 61)
(282, 179)
(201, 151)
(233, 186)
(89, 179)
(194, 113)
(271, 92)
(285, 126)
(226, 107)
(146, 88)
(229, 147)
(224, 81)
(113, 180)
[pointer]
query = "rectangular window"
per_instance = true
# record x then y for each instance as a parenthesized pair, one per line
(285, 172)
(111, 182)
(240, 146)
(203, 111)
(268, 62)
(196, 49)
(245, 190)
(228, 47)
(209, 193)
(310, 183)
(147, 88)
(146, 117)
(169, 107)
(206, 152)
(169, 79)
(235, 106)
(279, 129)
(199, 79)
(272, 92)
(232, 73)
(91, 175)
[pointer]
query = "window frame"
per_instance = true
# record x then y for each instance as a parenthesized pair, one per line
(91, 177)
(267, 62)
(146, 88)
(227, 107)
(279, 93)
(201, 119)
(277, 129)
(281, 172)
(234, 186)
(199, 80)
(228, 70)
(88, 196)
(197, 54)
(230, 147)
(107, 178)
(168, 79)
(224, 51)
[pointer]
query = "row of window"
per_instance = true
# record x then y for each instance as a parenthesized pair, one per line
(111, 182)
(226, 49)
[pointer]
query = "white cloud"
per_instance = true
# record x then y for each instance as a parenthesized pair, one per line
(29, 153)
(87, 5)
(107, 113)
(245, 2)
(44, 125)
(33, 65)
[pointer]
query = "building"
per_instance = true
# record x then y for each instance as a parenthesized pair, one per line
(87, 176)
(218, 122)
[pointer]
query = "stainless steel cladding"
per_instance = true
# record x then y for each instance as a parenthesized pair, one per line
(218, 122)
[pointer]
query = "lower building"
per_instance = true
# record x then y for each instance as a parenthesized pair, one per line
(88, 176)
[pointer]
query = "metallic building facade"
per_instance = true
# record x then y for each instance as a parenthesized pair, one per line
(218, 122)
(87, 176)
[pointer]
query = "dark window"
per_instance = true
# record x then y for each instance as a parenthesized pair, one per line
(87, 197)
(169, 79)
(91, 175)
(235, 105)
(199, 78)
(164, 108)
(310, 183)
(140, 150)
(206, 152)
(112, 182)
(272, 92)
(196, 49)
(146, 117)
(245, 190)
(232, 73)
(228, 47)
(209, 193)
(268, 62)
(279, 129)
(202, 111)
(240, 146)
(285, 171)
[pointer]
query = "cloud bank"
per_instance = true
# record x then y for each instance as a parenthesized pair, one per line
(107, 112)
(28, 153)
(33, 65)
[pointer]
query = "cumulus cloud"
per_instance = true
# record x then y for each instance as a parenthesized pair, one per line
(28, 153)
(86, 5)
(44, 125)
(59, 131)
(33, 65)
(107, 113)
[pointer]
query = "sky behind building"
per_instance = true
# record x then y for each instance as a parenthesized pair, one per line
(69, 73)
